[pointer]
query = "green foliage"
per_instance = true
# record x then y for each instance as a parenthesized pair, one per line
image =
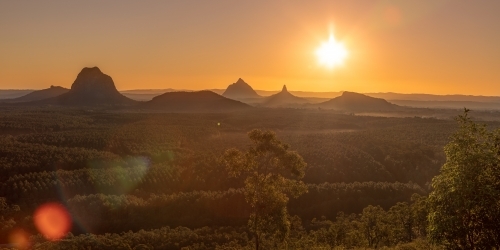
(465, 201)
(374, 225)
(273, 174)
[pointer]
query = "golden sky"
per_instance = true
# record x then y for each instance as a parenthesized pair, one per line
(431, 46)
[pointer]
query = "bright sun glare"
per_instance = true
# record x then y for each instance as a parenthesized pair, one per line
(331, 53)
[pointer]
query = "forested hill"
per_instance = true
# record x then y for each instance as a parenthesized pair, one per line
(199, 101)
(351, 101)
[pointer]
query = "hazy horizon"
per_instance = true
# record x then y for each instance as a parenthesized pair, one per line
(267, 91)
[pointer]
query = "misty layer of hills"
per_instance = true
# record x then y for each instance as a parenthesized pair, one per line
(92, 87)
(38, 95)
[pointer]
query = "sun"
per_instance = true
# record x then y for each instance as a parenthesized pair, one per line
(331, 53)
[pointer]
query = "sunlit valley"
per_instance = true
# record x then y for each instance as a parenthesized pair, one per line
(198, 137)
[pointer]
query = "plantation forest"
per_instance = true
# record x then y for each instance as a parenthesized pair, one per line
(152, 180)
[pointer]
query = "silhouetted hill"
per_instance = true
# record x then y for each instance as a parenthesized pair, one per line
(283, 98)
(37, 95)
(240, 90)
(350, 101)
(199, 101)
(91, 87)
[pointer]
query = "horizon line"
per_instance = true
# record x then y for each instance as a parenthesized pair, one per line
(304, 91)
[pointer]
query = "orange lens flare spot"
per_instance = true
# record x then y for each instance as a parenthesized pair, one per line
(52, 220)
(19, 239)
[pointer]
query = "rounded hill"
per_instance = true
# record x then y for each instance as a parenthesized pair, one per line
(199, 101)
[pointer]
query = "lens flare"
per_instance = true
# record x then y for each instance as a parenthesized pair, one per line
(20, 239)
(52, 220)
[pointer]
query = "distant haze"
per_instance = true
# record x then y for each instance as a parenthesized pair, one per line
(437, 47)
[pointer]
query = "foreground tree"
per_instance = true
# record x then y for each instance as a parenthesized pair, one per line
(402, 223)
(272, 174)
(374, 226)
(465, 201)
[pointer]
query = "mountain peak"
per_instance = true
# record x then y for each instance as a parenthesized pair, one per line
(91, 69)
(93, 80)
(240, 81)
(348, 93)
(240, 90)
(284, 99)
(91, 87)
(284, 89)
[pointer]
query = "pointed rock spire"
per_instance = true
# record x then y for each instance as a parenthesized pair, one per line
(284, 89)
(240, 81)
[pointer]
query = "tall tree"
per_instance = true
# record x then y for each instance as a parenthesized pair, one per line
(401, 223)
(272, 174)
(465, 201)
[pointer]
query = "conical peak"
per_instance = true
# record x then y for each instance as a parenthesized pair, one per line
(240, 89)
(284, 89)
(240, 81)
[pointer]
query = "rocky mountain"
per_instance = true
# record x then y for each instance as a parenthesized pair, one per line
(199, 101)
(37, 95)
(240, 90)
(91, 87)
(351, 101)
(283, 99)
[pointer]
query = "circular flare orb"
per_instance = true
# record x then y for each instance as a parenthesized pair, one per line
(52, 220)
(20, 239)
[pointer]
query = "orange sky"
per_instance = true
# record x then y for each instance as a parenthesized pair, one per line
(438, 46)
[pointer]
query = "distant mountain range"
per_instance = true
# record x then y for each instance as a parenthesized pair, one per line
(92, 87)
(148, 94)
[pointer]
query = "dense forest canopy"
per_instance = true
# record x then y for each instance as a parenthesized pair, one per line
(156, 180)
